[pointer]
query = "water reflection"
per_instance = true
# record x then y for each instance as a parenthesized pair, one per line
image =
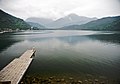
(6, 41)
(72, 53)
(111, 38)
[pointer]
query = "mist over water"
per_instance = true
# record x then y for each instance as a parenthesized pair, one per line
(65, 52)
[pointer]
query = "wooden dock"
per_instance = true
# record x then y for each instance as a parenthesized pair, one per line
(14, 71)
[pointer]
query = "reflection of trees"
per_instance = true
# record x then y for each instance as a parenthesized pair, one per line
(111, 38)
(6, 41)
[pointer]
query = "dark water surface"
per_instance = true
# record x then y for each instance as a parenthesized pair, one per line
(65, 52)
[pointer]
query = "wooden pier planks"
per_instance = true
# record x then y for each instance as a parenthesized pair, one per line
(15, 70)
(28, 54)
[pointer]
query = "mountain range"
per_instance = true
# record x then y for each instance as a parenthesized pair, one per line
(107, 24)
(71, 19)
(42, 21)
(8, 21)
(69, 22)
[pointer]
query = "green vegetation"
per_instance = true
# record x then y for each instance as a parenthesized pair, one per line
(36, 26)
(10, 22)
(107, 24)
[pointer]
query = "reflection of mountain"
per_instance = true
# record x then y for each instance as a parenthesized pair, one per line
(73, 39)
(111, 38)
(6, 41)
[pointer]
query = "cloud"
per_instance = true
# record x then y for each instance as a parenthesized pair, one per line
(58, 8)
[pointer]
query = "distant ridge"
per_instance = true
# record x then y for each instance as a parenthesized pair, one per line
(42, 21)
(8, 21)
(36, 25)
(71, 19)
(107, 24)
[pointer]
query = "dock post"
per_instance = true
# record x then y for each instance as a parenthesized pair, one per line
(33, 51)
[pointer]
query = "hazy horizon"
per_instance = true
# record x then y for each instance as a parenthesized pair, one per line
(55, 9)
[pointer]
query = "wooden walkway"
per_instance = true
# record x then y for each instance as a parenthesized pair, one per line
(14, 71)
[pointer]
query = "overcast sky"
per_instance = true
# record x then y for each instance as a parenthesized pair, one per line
(58, 8)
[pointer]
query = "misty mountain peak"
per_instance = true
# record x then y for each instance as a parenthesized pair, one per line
(72, 15)
(71, 19)
(39, 20)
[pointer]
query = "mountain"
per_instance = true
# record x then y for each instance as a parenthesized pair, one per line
(107, 23)
(42, 21)
(8, 21)
(71, 19)
(36, 25)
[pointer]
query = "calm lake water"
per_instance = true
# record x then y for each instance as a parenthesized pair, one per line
(65, 52)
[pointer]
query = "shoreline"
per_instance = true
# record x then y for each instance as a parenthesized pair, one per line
(3, 32)
(29, 79)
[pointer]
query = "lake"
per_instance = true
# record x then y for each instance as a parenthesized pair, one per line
(66, 52)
